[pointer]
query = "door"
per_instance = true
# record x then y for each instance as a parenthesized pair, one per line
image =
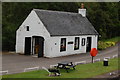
(38, 45)
(88, 45)
(27, 46)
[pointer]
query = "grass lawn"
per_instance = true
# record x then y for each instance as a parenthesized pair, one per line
(82, 71)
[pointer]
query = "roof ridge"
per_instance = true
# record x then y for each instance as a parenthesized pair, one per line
(55, 11)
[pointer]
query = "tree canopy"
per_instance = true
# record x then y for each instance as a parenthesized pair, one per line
(104, 16)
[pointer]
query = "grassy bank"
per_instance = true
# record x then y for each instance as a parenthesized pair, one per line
(115, 39)
(82, 71)
(103, 44)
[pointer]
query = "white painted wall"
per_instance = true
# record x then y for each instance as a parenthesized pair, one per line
(54, 50)
(94, 41)
(36, 28)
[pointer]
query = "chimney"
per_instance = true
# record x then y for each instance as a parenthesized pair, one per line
(82, 11)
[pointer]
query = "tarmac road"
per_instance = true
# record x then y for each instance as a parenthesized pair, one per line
(16, 63)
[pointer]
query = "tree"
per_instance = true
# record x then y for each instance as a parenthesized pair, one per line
(105, 17)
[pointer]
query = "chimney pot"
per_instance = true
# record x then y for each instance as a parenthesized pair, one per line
(82, 11)
(82, 6)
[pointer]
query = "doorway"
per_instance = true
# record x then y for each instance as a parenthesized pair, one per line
(88, 45)
(38, 46)
(27, 46)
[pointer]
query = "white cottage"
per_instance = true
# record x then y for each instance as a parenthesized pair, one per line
(54, 33)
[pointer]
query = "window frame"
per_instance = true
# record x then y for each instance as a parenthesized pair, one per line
(27, 28)
(63, 44)
(83, 42)
(77, 43)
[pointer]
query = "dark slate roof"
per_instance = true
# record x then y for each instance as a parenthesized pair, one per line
(65, 23)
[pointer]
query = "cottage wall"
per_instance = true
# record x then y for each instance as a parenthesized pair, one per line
(36, 28)
(51, 44)
(54, 44)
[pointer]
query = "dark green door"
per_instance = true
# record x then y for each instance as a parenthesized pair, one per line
(27, 46)
(39, 46)
(88, 45)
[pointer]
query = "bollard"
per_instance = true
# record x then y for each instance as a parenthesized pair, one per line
(105, 62)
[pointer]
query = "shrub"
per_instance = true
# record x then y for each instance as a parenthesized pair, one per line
(109, 44)
(103, 45)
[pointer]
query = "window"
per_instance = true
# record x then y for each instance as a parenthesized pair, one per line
(76, 44)
(83, 41)
(63, 44)
(27, 28)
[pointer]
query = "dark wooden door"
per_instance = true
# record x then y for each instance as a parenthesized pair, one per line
(88, 45)
(39, 46)
(27, 45)
(41, 43)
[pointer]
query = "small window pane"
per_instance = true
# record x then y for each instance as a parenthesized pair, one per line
(63, 44)
(27, 28)
(83, 41)
(76, 44)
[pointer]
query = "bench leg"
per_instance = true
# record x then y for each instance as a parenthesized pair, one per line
(66, 70)
(74, 68)
(55, 74)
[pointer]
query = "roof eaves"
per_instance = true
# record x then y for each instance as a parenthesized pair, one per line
(73, 35)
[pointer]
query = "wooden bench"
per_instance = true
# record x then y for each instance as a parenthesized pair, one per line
(65, 65)
(71, 66)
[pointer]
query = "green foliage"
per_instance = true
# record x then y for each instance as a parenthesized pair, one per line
(103, 16)
(82, 71)
(109, 44)
(103, 44)
(115, 39)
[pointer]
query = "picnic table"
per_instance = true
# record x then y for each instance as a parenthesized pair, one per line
(65, 65)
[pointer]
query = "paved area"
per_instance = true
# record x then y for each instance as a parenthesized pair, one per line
(16, 63)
